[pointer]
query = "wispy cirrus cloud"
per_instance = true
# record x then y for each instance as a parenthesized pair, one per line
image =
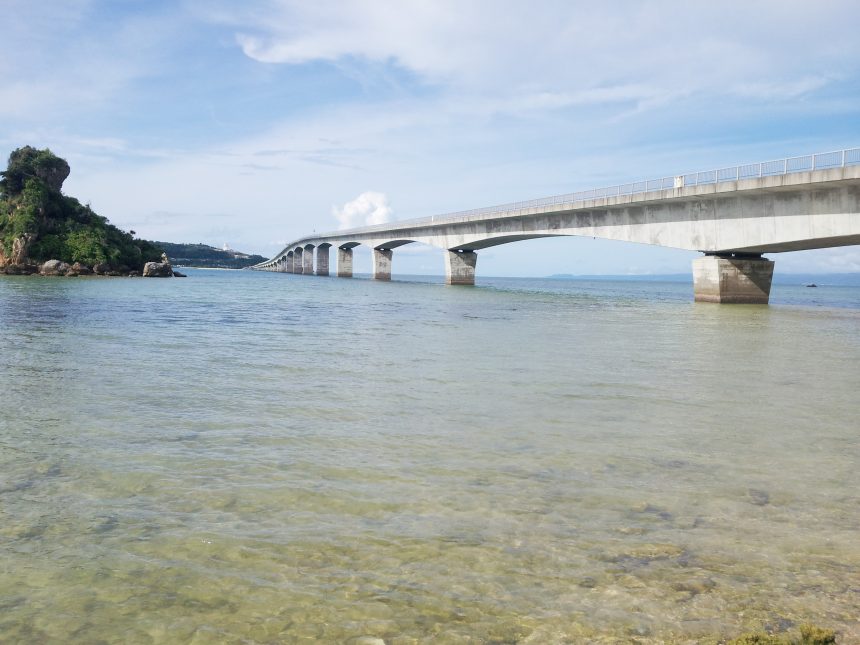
(598, 52)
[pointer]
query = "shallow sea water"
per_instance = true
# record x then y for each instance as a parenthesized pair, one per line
(244, 457)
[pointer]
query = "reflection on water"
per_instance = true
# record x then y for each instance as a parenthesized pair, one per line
(259, 458)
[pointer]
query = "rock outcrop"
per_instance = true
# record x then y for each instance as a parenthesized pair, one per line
(54, 267)
(158, 269)
(38, 222)
(20, 248)
(19, 269)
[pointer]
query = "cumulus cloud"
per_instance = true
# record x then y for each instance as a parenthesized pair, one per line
(365, 210)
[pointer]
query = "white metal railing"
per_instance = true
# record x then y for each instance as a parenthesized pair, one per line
(818, 161)
(806, 163)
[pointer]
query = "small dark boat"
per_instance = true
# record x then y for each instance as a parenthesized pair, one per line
(811, 284)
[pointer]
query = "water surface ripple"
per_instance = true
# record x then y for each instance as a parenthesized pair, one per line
(248, 457)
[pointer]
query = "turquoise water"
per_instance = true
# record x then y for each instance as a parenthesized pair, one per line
(244, 457)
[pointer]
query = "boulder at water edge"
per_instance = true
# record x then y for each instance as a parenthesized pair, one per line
(158, 269)
(54, 267)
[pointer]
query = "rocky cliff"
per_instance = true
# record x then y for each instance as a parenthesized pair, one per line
(38, 223)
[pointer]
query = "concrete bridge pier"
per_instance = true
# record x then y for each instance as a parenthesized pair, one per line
(297, 260)
(288, 266)
(460, 267)
(732, 278)
(322, 259)
(382, 264)
(308, 260)
(344, 263)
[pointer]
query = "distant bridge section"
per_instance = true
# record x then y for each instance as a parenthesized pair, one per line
(732, 215)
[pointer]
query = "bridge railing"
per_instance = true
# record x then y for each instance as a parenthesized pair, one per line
(806, 163)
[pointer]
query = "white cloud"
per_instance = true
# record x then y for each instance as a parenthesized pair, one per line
(447, 104)
(563, 47)
(367, 209)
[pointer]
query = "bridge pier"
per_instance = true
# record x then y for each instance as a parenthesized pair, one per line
(344, 263)
(322, 259)
(382, 264)
(735, 278)
(460, 267)
(297, 260)
(288, 262)
(308, 260)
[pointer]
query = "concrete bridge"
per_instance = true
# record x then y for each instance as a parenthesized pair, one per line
(731, 215)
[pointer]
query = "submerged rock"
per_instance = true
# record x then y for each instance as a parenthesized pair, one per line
(695, 587)
(809, 635)
(759, 497)
(656, 511)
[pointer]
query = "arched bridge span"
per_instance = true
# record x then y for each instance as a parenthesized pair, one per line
(731, 215)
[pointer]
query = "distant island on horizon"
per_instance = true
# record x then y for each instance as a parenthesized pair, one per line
(203, 256)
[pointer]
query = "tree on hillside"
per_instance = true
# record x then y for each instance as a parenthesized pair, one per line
(30, 163)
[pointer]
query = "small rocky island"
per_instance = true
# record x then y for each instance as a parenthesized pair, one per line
(45, 232)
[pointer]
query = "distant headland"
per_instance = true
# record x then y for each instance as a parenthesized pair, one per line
(208, 257)
(45, 232)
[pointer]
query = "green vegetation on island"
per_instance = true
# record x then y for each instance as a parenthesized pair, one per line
(38, 223)
(202, 255)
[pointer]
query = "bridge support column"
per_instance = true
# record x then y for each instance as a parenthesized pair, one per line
(344, 263)
(308, 262)
(382, 264)
(288, 267)
(322, 260)
(732, 279)
(460, 267)
(297, 261)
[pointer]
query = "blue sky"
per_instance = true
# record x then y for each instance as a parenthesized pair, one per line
(255, 123)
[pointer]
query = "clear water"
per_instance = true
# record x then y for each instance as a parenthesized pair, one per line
(244, 457)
